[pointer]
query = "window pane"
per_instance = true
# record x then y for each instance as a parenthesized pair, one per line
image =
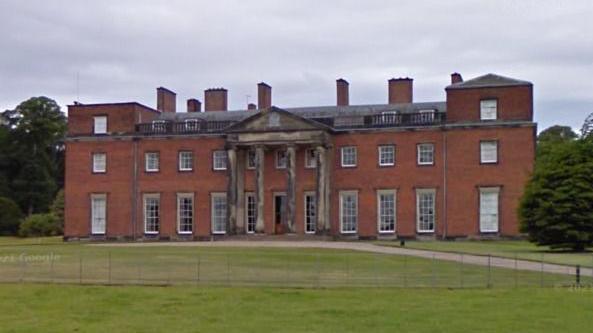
(386, 155)
(100, 125)
(349, 212)
(99, 162)
(152, 161)
(489, 210)
(98, 214)
(251, 156)
(251, 213)
(219, 213)
(488, 151)
(151, 214)
(185, 211)
(348, 156)
(310, 213)
(281, 159)
(425, 210)
(185, 160)
(426, 153)
(219, 160)
(310, 158)
(387, 212)
(488, 109)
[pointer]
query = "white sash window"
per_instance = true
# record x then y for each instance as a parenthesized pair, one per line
(98, 214)
(489, 209)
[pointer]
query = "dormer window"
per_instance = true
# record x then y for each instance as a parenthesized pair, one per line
(191, 125)
(426, 115)
(389, 117)
(100, 125)
(159, 126)
(488, 109)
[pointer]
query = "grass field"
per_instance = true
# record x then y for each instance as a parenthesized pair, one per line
(507, 249)
(49, 261)
(66, 308)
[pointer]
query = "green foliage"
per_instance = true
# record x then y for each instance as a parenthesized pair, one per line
(37, 225)
(552, 136)
(557, 206)
(32, 153)
(10, 217)
(57, 207)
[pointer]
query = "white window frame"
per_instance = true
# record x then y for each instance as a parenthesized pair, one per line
(481, 222)
(99, 166)
(250, 213)
(344, 150)
(389, 117)
(101, 230)
(219, 157)
(145, 199)
(489, 109)
(379, 211)
(147, 156)
(419, 193)
(483, 146)
(213, 216)
(280, 159)
(343, 194)
(419, 153)
(308, 214)
(310, 161)
(181, 159)
(248, 155)
(427, 115)
(181, 196)
(100, 124)
(380, 149)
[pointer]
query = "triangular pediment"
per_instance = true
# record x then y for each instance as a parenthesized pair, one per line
(273, 120)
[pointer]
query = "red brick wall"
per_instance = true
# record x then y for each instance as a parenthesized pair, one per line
(514, 103)
(121, 117)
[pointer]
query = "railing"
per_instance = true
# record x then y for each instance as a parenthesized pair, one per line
(189, 127)
(370, 121)
(385, 120)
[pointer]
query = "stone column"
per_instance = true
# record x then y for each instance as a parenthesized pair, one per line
(232, 190)
(259, 189)
(240, 202)
(321, 215)
(291, 188)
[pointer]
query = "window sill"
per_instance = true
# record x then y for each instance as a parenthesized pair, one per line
(219, 232)
(348, 232)
(425, 231)
(151, 232)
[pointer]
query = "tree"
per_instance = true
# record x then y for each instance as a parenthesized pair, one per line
(557, 206)
(33, 165)
(587, 129)
(552, 136)
(10, 217)
(57, 207)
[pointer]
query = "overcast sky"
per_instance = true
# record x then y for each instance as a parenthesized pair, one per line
(122, 50)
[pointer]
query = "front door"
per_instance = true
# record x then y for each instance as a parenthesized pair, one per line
(279, 213)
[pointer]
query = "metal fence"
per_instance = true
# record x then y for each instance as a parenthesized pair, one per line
(290, 269)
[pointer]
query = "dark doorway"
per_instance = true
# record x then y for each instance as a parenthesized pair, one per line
(279, 213)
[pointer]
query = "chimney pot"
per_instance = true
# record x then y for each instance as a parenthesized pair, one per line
(456, 77)
(165, 100)
(401, 90)
(264, 95)
(215, 99)
(193, 105)
(342, 87)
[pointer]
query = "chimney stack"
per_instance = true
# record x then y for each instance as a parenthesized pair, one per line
(343, 98)
(264, 95)
(401, 90)
(193, 105)
(251, 106)
(165, 100)
(215, 99)
(456, 77)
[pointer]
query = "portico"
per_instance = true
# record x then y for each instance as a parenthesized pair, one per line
(268, 132)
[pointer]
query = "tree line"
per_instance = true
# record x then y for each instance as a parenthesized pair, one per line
(32, 168)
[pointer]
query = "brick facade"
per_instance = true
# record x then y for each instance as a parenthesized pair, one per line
(456, 175)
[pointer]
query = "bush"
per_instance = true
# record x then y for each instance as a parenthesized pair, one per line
(37, 225)
(10, 217)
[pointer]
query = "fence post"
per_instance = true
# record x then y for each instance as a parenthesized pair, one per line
(198, 269)
(79, 267)
(140, 272)
(489, 271)
(347, 270)
(541, 275)
(23, 260)
(376, 269)
(318, 269)
(432, 271)
(461, 269)
(109, 267)
(516, 272)
(51, 268)
(228, 270)
(578, 275)
(405, 271)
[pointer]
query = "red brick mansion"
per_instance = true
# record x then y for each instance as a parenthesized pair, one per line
(404, 169)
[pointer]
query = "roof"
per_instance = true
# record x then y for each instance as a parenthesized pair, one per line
(489, 80)
(311, 112)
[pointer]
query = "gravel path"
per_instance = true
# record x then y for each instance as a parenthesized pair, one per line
(367, 247)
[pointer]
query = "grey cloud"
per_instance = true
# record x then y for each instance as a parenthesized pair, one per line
(121, 50)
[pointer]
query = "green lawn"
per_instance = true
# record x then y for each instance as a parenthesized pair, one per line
(507, 249)
(67, 308)
(82, 263)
